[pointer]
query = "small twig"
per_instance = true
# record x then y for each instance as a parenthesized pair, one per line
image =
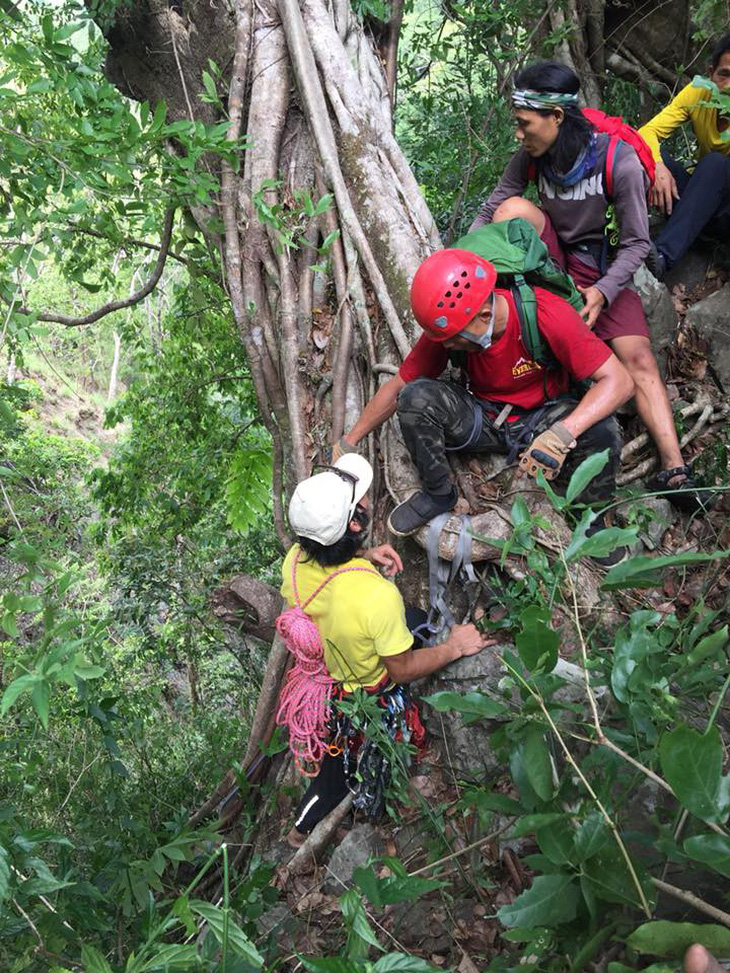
(689, 898)
(78, 780)
(30, 922)
(10, 508)
(463, 851)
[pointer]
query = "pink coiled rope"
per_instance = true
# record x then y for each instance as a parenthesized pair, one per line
(305, 696)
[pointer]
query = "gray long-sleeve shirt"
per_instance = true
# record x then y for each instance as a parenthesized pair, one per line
(579, 212)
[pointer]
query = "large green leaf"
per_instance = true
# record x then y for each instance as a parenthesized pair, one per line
(93, 961)
(472, 706)
(645, 572)
(552, 899)
(607, 875)
(4, 874)
(672, 939)
(537, 643)
(585, 474)
(237, 938)
(394, 888)
(712, 850)
(600, 544)
(592, 836)
(400, 963)
(537, 763)
(692, 765)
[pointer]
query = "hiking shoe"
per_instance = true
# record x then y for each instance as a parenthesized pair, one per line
(418, 510)
(656, 262)
(617, 555)
(696, 500)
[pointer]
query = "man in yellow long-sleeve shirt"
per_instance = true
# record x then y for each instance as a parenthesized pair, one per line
(701, 200)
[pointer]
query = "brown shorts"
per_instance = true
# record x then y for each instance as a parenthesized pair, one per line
(624, 317)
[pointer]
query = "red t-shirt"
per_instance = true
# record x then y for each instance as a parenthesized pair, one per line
(505, 372)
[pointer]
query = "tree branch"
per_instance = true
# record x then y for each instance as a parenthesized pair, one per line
(133, 299)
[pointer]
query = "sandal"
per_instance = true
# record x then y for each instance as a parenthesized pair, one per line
(684, 495)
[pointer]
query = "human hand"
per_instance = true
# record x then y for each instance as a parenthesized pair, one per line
(468, 640)
(595, 303)
(341, 447)
(664, 191)
(386, 557)
(547, 452)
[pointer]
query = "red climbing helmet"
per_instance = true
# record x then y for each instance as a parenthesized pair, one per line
(449, 289)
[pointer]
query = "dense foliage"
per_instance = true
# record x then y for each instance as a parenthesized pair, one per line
(124, 700)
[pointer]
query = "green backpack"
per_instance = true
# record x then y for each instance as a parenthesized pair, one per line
(522, 262)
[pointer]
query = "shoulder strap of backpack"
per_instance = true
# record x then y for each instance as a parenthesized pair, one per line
(325, 582)
(526, 305)
(614, 145)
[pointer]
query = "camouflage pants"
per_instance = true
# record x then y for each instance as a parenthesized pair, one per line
(437, 417)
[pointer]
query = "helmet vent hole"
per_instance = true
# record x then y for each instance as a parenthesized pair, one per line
(440, 304)
(448, 294)
(452, 304)
(456, 283)
(459, 294)
(463, 273)
(467, 285)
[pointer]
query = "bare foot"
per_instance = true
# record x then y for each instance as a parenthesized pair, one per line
(295, 838)
(698, 960)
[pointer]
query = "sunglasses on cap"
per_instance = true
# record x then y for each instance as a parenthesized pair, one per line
(343, 475)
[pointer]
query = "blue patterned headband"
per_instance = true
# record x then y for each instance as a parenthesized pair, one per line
(526, 98)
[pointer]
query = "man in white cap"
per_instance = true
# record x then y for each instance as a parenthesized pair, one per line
(359, 614)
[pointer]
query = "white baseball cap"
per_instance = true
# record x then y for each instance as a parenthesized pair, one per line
(322, 506)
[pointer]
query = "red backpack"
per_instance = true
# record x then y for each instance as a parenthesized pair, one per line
(619, 131)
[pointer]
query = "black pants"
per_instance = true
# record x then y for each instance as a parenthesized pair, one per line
(435, 415)
(330, 786)
(704, 204)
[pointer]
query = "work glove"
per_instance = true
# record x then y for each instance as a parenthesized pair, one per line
(547, 452)
(340, 448)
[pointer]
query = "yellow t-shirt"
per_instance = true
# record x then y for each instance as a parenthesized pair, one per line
(686, 107)
(360, 616)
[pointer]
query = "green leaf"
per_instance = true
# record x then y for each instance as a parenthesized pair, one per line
(41, 698)
(692, 765)
(712, 850)
(400, 963)
(591, 837)
(486, 801)
(4, 873)
(556, 840)
(93, 961)
(710, 645)
(608, 876)
(89, 671)
(585, 474)
(354, 915)
(645, 572)
(552, 900)
(673, 939)
(537, 763)
(237, 938)
(600, 544)
(22, 684)
(394, 888)
(537, 643)
(330, 964)
(529, 823)
(9, 625)
(472, 706)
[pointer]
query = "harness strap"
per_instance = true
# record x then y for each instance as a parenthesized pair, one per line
(476, 429)
(442, 574)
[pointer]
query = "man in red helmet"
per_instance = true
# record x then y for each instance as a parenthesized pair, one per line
(512, 404)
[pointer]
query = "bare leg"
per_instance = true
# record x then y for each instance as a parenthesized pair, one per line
(652, 401)
(295, 838)
(517, 206)
(698, 960)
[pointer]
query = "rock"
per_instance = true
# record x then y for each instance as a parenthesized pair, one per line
(467, 749)
(421, 925)
(660, 313)
(278, 922)
(711, 319)
(358, 847)
(660, 515)
(691, 269)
